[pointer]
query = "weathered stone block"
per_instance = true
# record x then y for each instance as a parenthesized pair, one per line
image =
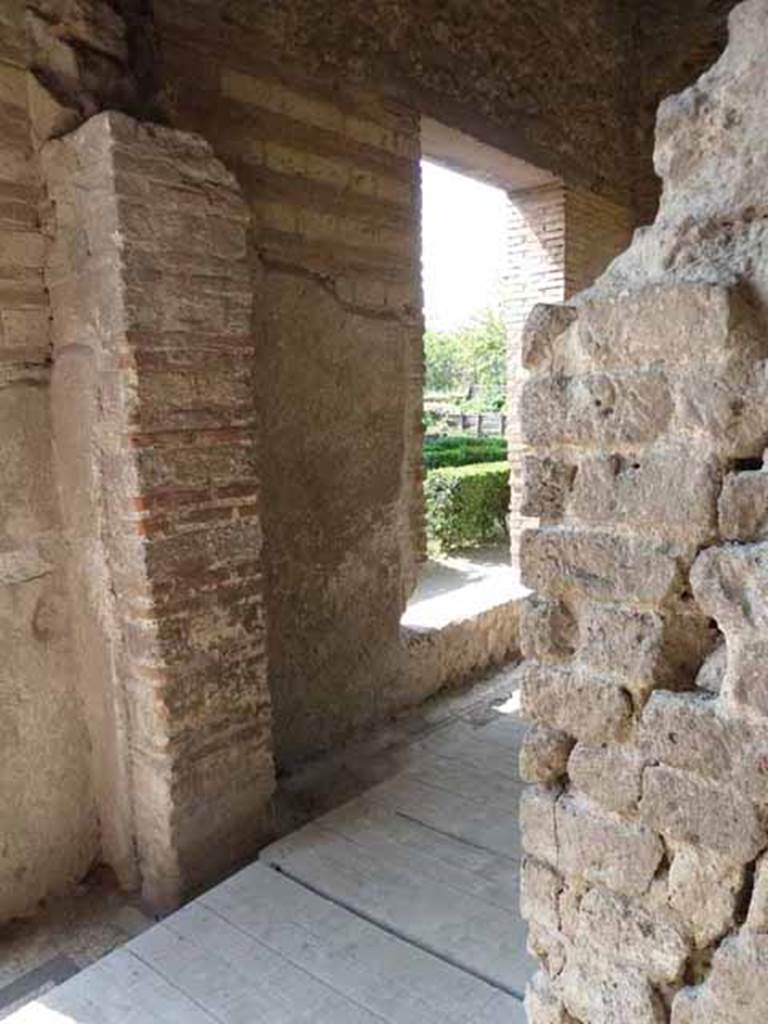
(548, 946)
(731, 584)
(724, 409)
(540, 886)
(646, 649)
(703, 889)
(546, 485)
(542, 1003)
(667, 490)
(712, 673)
(598, 992)
(757, 917)
(697, 732)
(609, 775)
(621, 640)
(683, 730)
(665, 325)
(596, 409)
(734, 992)
(626, 933)
(547, 629)
(544, 754)
(743, 506)
(685, 807)
(545, 325)
(537, 823)
(745, 683)
(603, 849)
(581, 705)
(558, 561)
(543, 408)
(609, 410)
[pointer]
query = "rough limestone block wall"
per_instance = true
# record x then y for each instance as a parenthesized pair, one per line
(646, 824)
(677, 44)
(535, 273)
(85, 56)
(49, 835)
(560, 238)
(156, 443)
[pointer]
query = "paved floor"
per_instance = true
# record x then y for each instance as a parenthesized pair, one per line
(399, 906)
(65, 936)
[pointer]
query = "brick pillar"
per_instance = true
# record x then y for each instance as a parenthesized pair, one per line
(155, 435)
(560, 239)
(596, 231)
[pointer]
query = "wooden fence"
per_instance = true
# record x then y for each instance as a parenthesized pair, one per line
(482, 424)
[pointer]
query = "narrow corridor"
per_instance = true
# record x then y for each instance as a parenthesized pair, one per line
(399, 906)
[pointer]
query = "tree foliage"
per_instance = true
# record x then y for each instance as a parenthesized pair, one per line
(468, 359)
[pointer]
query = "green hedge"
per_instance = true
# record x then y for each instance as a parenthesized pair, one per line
(463, 451)
(466, 505)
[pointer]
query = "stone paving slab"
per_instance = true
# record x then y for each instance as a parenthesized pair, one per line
(433, 853)
(263, 949)
(400, 906)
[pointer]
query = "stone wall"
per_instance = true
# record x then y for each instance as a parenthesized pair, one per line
(536, 269)
(48, 822)
(561, 237)
(677, 42)
(645, 827)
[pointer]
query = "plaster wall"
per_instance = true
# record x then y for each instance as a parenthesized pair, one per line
(49, 835)
(332, 182)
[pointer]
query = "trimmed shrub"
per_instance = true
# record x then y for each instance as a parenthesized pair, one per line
(463, 450)
(466, 505)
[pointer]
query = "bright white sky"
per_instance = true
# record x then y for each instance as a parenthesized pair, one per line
(464, 244)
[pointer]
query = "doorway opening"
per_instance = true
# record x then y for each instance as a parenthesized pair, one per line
(466, 479)
(469, 579)
(499, 236)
